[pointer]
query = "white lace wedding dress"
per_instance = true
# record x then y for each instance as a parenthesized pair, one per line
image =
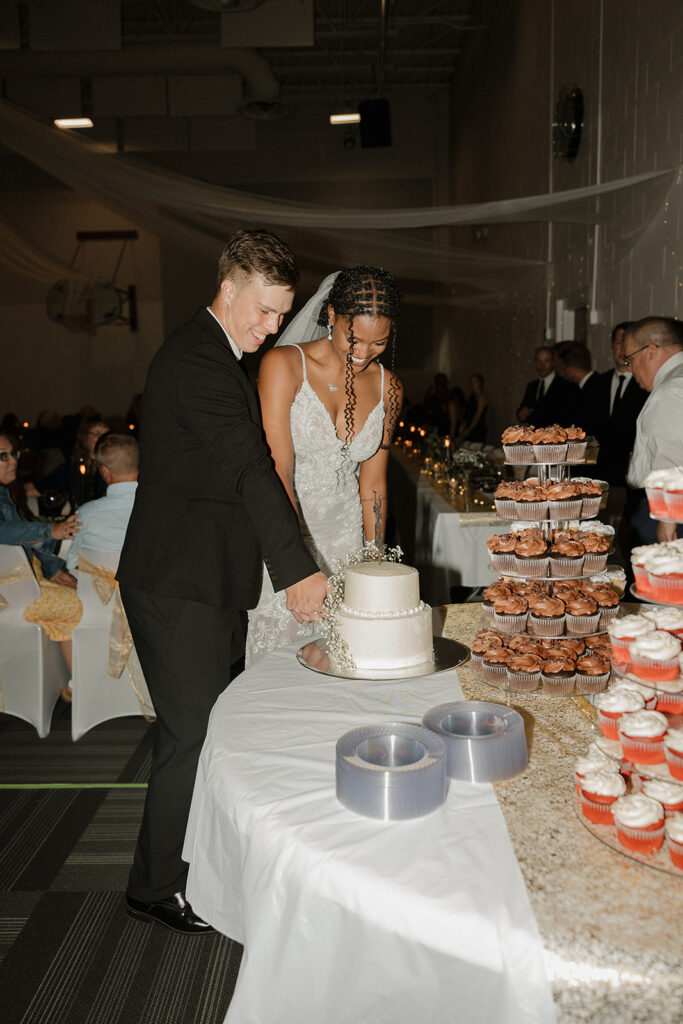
(326, 488)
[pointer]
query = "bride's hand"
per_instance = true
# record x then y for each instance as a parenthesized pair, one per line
(305, 599)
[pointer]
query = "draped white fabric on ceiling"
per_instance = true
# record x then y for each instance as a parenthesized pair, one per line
(199, 216)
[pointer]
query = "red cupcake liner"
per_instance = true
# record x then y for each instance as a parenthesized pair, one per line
(642, 749)
(641, 840)
(674, 505)
(597, 808)
(675, 853)
(670, 703)
(642, 580)
(654, 671)
(667, 589)
(674, 760)
(609, 723)
(656, 501)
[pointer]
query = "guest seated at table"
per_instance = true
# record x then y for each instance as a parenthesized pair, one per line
(105, 520)
(58, 609)
(475, 411)
(78, 478)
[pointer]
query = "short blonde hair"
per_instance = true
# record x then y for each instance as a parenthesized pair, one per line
(119, 453)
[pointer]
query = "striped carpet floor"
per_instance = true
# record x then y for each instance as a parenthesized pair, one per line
(69, 817)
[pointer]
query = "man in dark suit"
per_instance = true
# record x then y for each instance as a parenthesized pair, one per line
(209, 510)
(574, 364)
(547, 398)
(619, 401)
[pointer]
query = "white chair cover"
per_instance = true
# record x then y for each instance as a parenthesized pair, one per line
(97, 696)
(32, 669)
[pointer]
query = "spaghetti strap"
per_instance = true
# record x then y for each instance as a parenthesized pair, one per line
(381, 383)
(303, 360)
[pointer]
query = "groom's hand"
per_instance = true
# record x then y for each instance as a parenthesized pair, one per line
(305, 599)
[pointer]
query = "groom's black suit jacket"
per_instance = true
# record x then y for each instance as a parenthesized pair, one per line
(209, 507)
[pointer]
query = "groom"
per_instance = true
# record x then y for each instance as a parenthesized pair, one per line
(209, 510)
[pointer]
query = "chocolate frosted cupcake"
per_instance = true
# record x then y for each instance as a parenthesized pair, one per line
(504, 498)
(531, 556)
(564, 500)
(510, 614)
(502, 551)
(576, 444)
(531, 502)
(592, 673)
(596, 546)
(559, 674)
(550, 444)
(582, 615)
(566, 558)
(524, 672)
(495, 590)
(591, 496)
(485, 640)
(494, 664)
(546, 616)
(607, 601)
(517, 444)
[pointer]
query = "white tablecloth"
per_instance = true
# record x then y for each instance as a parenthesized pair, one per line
(344, 919)
(448, 547)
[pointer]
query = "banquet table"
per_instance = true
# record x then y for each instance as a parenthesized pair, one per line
(447, 545)
(347, 920)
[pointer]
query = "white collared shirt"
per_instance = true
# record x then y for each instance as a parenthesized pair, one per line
(615, 384)
(659, 430)
(237, 352)
(545, 383)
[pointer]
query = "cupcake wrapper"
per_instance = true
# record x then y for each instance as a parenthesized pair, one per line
(606, 616)
(503, 561)
(657, 501)
(526, 682)
(674, 505)
(593, 684)
(576, 451)
(642, 580)
(494, 673)
(510, 623)
(487, 614)
(550, 453)
(539, 626)
(594, 562)
(671, 809)
(537, 568)
(564, 509)
(674, 760)
(568, 567)
(641, 750)
(579, 625)
(653, 670)
(530, 511)
(669, 703)
(476, 658)
(505, 507)
(609, 726)
(668, 589)
(598, 813)
(520, 454)
(590, 506)
(676, 853)
(641, 840)
(560, 685)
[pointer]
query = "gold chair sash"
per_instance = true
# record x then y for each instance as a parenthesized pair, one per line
(16, 575)
(121, 650)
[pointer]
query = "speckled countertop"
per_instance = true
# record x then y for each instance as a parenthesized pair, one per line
(612, 928)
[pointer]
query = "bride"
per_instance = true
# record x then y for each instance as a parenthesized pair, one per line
(329, 410)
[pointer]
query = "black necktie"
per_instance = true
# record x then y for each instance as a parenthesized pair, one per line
(621, 387)
(540, 392)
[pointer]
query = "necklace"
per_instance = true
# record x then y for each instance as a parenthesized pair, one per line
(332, 387)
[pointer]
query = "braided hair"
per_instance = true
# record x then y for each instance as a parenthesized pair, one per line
(365, 291)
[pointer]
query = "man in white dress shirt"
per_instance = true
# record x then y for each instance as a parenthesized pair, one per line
(653, 351)
(104, 521)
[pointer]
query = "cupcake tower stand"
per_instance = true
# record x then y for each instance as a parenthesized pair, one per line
(556, 472)
(659, 859)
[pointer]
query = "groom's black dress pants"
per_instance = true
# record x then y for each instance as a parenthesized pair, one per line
(184, 649)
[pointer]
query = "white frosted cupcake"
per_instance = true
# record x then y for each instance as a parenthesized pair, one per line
(673, 829)
(670, 619)
(612, 705)
(647, 692)
(673, 752)
(669, 794)
(670, 696)
(599, 791)
(592, 762)
(622, 632)
(654, 485)
(640, 823)
(641, 735)
(655, 656)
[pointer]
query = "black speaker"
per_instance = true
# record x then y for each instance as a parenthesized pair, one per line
(375, 124)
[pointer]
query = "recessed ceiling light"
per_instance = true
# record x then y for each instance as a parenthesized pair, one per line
(344, 118)
(73, 122)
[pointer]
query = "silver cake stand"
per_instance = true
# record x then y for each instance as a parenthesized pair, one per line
(448, 654)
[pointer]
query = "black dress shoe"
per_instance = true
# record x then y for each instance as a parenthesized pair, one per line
(173, 912)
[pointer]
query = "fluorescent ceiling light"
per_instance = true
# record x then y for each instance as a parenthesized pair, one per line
(73, 122)
(344, 118)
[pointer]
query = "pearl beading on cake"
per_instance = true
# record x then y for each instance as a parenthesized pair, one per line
(399, 613)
